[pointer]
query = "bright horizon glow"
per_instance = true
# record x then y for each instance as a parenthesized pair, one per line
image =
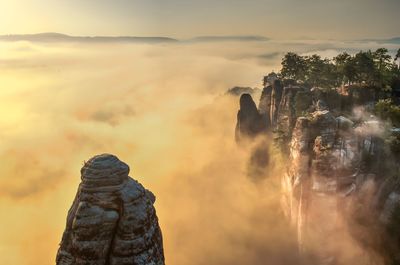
(287, 19)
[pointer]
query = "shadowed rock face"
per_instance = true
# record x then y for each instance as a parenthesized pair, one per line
(112, 219)
(276, 97)
(249, 121)
(340, 179)
(264, 107)
(334, 172)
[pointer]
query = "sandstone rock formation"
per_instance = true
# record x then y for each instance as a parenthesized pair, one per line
(276, 96)
(264, 106)
(112, 219)
(249, 121)
(335, 172)
(312, 181)
(339, 172)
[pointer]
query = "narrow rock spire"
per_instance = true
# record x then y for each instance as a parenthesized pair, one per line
(112, 219)
(249, 120)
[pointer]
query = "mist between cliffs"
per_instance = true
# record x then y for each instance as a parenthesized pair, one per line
(161, 109)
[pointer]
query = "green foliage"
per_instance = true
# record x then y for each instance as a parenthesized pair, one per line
(382, 58)
(302, 102)
(320, 72)
(332, 98)
(397, 55)
(387, 110)
(383, 66)
(293, 67)
(394, 77)
(345, 68)
(365, 67)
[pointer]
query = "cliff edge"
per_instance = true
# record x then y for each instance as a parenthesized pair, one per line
(341, 176)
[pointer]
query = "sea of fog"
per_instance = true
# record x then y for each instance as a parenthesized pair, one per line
(160, 108)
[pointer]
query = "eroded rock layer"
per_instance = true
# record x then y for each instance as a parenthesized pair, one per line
(112, 219)
(341, 179)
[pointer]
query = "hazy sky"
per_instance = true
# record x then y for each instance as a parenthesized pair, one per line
(340, 19)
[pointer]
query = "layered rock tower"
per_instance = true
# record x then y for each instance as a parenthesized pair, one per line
(112, 219)
(339, 170)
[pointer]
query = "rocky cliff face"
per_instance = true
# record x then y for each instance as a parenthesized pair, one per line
(112, 219)
(322, 159)
(346, 172)
(249, 120)
(338, 175)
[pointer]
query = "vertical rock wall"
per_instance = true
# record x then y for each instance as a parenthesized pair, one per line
(337, 170)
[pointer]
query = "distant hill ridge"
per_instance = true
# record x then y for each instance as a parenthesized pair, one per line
(59, 37)
(230, 38)
(395, 40)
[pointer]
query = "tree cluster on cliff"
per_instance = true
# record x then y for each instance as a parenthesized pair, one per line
(372, 68)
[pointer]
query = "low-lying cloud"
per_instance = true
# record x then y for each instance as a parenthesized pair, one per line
(161, 109)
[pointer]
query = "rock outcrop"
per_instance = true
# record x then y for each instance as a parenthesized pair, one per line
(335, 172)
(112, 220)
(340, 175)
(249, 121)
(318, 158)
(264, 107)
(276, 96)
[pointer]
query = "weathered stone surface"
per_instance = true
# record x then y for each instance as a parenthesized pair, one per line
(249, 121)
(296, 182)
(112, 219)
(323, 162)
(276, 96)
(264, 106)
(338, 168)
(286, 115)
(326, 156)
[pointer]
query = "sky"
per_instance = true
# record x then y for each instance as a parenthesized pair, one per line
(282, 19)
